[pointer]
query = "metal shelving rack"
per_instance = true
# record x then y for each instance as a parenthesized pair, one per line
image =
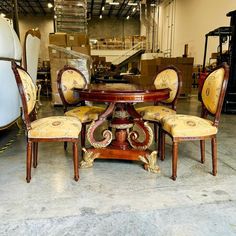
(70, 15)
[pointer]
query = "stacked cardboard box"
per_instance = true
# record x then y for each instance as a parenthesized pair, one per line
(149, 68)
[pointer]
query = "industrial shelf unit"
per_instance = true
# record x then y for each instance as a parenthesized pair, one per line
(70, 16)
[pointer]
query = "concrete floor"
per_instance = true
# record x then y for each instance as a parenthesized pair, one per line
(120, 197)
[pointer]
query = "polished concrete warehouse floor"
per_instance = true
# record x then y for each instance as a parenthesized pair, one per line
(119, 197)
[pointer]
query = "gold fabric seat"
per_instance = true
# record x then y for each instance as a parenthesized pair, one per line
(185, 126)
(85, 114)
(48, 129)
(54, 127)
(155, 113)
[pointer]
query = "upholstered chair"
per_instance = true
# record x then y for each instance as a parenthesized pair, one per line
(49, 129)
(10, 49)
(187, 128)
(169, 77)
(31, 56)
(67, 79)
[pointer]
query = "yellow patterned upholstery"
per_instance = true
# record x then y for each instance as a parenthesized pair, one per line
(187, 126)
(29, 89)
(167, 79)
(155, 113)
(69, 80)
(55, 127)
(85, 113)
(211, 90)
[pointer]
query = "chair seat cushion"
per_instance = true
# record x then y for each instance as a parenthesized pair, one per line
(85, 113)
(55, 127)
(188, 126)
(155, 113)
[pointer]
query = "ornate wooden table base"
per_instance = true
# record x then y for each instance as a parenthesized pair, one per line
(125, 144)
(131, 137)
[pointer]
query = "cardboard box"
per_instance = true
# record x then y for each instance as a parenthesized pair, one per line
(85, 50)
(53, 53)
(77, 40)
(58, 39)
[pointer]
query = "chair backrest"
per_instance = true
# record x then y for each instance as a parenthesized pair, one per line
(10, 49)
(27, 90)
(31, 52)
(169, 77)
(213, 92)
(67, 79)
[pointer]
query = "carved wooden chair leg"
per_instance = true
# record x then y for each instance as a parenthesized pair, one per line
(65, 146)
(174, 159)
(159, 141)
(214, 156)
(155, 132)
(83, 131)
(76, 161)
(162, 135)
(29, 161)
(35, 154)
(202, 144)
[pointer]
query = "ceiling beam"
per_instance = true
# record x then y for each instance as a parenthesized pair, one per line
(91, 8)
(102, 4)
(110, 10)
(122, 7)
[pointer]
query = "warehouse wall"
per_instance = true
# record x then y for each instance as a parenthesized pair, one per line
(113, 27)
(195, 18)
(45, 25)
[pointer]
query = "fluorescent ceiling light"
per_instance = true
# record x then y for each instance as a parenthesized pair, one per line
(127, 17)
(103, 8)
(80, 4)
(114, 3)
(152, 4)
(134, 9)
(100, 16)
(50, 5)
(132, 3)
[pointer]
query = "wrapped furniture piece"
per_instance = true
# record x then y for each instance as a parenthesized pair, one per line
(10, 49)
(59, 57)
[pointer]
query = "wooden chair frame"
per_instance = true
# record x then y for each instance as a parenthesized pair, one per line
(32, 143)
(172, 105)
(66, 104)
(204, 114)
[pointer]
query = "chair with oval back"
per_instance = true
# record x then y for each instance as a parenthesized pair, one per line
(67, 79)
(169, 77)
(186, 127)
(49, 129)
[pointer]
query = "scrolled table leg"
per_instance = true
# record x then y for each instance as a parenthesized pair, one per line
(107, 134)
(133, 136)
(150, 162)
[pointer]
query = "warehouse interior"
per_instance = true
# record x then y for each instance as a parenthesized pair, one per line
(118, 44)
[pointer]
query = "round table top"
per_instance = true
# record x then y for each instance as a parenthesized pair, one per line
(121, 93)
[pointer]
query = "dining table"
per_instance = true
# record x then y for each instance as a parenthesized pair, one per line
(127, 136)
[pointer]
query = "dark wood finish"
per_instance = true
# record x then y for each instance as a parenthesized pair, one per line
(122, 116)
(32, 143)
(33, 33)
(204, 114)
